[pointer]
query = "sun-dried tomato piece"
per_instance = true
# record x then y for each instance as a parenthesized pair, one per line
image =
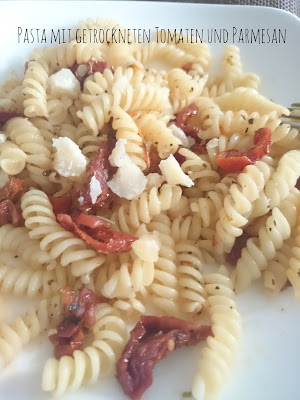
(80, 315)
(61, 205)
(13, 190)
(263, 137)
(104, 239)
(10, 196)
(84, 70)
(151, 340)
(183, 116)
(154, 160)
(236, 251)
(10, 214)
(67, 328)
(6, 115)
(101, 66)
(237, 160)
(91, 221)
(199, 148)
(78, 303)
(81, 72)
(100, 169)
(179, 158)
(187, 67)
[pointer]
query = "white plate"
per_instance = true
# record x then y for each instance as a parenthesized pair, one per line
(268, 362)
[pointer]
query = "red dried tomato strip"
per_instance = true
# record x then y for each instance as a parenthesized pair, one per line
(233, 160)
(262, 138)
(105, 240)
(183, 116)
(237, 160)
(151, 340)
(91, 221)
(6, 115)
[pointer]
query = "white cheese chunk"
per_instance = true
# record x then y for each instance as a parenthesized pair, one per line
(173, 173)
(119, 156)
(147, 247)
(64, 82)
(95, 189)
(2, 138)
(68, 160)
(129, 181)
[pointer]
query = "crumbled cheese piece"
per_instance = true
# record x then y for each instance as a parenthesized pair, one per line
(147, 247)
(95, 189)
(154, 180)
(2, 138)
(68, 160)
(64, 82)
(119, 156)
(129, 181)
(173, 173)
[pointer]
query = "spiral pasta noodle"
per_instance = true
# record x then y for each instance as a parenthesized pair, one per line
(260, 250)
(35, 84)
(239, 202)
(191, 291)
(61, 244)
(32, 143)
(19, 242)
(95, 115)
(219, 353)
(12, 158)
(122, 279)
(37, 319)
(34, 283)
(127, 129)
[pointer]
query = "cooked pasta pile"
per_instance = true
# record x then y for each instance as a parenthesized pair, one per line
(170, 192)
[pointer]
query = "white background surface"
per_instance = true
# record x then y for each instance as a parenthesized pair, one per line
(268, 363)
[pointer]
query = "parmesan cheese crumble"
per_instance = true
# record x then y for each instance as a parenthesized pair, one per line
(129, 181)
(68, 159)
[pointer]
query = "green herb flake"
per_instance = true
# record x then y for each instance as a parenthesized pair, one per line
(185, 395)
